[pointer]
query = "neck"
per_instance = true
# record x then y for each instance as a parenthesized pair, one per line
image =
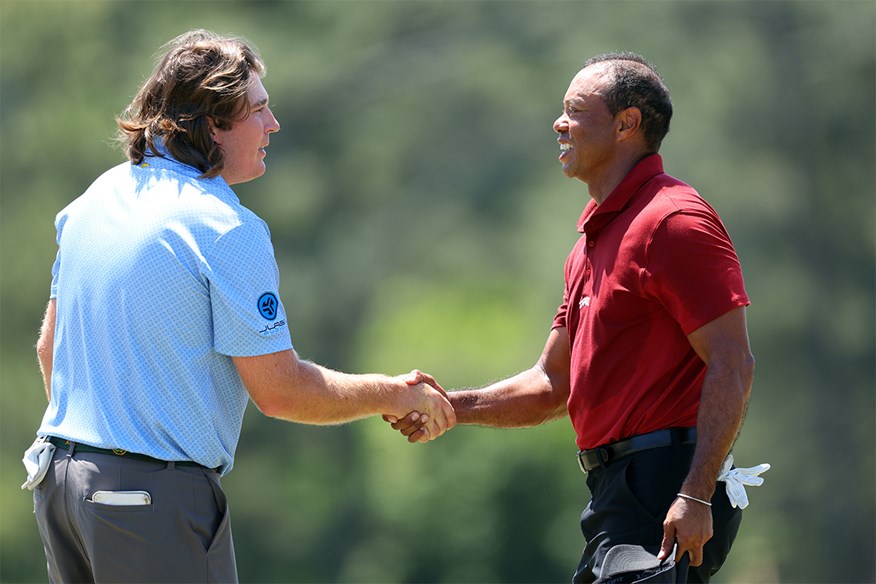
(600, 188)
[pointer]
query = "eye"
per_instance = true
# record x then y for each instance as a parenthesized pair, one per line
(259, 108)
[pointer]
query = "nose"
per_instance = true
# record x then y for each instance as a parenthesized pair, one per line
(273, 125)
(561, 124)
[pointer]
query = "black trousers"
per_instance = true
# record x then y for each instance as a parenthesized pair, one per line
(629, 501)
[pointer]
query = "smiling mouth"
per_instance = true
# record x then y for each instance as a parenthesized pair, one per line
(565, 148)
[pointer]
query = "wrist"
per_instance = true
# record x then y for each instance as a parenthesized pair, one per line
(700, 483)
(694, 499)
(464, 404)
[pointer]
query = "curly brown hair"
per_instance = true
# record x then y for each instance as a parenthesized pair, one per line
(201, 77)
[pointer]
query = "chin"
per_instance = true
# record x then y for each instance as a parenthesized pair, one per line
(253, 175)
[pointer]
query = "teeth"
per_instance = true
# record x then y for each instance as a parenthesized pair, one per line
(565, 147)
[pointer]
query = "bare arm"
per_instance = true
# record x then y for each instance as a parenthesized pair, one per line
(286, 387)
(529, 398)
(723, 345)
(45, 346)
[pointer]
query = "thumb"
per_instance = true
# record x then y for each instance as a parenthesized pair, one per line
(667, 543)
(414, 377)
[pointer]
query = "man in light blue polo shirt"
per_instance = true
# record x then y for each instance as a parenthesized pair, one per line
(164, 319)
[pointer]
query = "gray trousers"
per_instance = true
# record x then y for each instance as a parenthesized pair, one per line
(183, 535)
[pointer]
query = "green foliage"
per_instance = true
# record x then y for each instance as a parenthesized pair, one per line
(420, 220)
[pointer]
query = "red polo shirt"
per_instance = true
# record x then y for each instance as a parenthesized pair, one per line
(654, 264)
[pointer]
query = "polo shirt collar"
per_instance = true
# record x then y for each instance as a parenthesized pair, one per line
(595, 217)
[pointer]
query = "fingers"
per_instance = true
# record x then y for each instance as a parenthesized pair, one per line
(689, 524)
(421, 377)
(667, 543)
(412, 427)
(415, 377)
(408, 425)
(696, 556)
(421, 435)
(431, 413)
(437, 425)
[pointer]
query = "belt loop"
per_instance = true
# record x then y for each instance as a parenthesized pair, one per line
(171, 465)
(71, 449)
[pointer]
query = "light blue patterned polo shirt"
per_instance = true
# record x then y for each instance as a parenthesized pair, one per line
(160, 277)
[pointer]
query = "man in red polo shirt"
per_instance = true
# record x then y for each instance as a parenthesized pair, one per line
(649, 351)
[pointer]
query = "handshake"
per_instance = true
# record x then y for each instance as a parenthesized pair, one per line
(429, 411)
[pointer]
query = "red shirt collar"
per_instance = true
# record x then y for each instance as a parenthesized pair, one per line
(595, 217)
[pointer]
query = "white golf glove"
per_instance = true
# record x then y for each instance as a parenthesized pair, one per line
(737, 478)
(36, 461)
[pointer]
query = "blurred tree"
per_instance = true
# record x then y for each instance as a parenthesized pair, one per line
(419, 220)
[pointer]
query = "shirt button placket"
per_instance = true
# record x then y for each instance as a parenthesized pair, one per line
(591, 244)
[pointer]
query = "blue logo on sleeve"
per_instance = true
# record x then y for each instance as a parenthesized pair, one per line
(268, 305)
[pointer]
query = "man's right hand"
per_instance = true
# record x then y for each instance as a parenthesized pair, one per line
(425, 423)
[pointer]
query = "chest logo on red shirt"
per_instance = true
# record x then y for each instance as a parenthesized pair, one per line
(585, 301)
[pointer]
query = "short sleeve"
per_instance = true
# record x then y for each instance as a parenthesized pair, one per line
(56, 268)
(60, 221)
(693, 270)
(248, 317)
(561, 318)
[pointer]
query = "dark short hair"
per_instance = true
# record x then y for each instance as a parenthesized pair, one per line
(201, 76)
(636, 83)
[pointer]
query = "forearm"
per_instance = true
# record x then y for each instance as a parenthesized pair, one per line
(285, 387)
(304, 392)
(528, 399)
(723, 402)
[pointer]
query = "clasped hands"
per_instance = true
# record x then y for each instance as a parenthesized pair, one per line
(428, 417)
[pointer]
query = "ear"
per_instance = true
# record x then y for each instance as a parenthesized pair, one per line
(214, 131)
(628, 123)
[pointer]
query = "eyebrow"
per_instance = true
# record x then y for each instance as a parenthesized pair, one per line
(259, 103)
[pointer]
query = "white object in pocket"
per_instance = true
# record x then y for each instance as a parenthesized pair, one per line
(122, 498)
(36, 461)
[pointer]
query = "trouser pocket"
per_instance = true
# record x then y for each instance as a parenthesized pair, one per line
(220, 562)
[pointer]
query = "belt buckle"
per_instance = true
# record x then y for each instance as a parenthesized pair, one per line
(581, 462)
(602, 455)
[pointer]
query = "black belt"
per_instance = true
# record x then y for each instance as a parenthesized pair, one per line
(602, 455)
(79, 447)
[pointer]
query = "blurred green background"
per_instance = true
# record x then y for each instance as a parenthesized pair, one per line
(420, 219)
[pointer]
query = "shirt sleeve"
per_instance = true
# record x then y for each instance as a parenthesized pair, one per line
(561, 318)
(60, 220)
(56, 267)
(693, 270)
(248, 317)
